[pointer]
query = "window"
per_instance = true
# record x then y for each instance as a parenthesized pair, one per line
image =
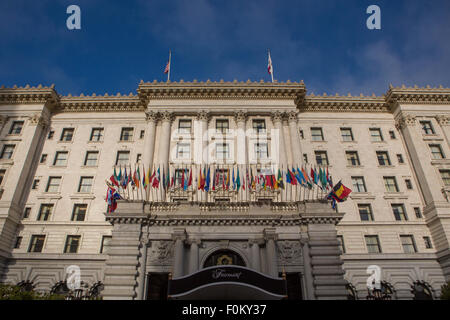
(7, 151)
(2, 175)
(390, 184)
(106, 240)
(61, 158)
(436, 152)
(85, 184)
(16, 127)
(316, 134)
(184, 126)
(72, 243)
(126, 134)
(43, 158)
(400, 158)
(91, 158)
(392, 134)
(321, 158)
(36, 243)
(445, 175)
(96, 134)
(138, 157)
(183, 151)
(399, 212)
(408, 184)
(352, 158)
(53, 184)
(341, 243)
(358, 184)
(261, 151)
(373, 244)
(123, 157)
(346, 134)
(178, 176)
(302, 135)
(375, 134)
(427, 241)
(50, 134)
(427, 128)
(365, 212)
(383, 158)
(67, 134)
(26, 213)
(222, 151)
(305, 158)
(45, 212)
(222, 125)
(35, 184)
(417, 212)
(18, 243)
(259, 125)
(408, 244)
(142, 135)
(79, 212)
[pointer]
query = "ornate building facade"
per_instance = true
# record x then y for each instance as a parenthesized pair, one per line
(391, 150)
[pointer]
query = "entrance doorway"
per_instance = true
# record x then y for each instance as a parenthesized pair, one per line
(157, 286)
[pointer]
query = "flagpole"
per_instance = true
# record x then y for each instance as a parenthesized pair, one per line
(271, 65)
(170, 62)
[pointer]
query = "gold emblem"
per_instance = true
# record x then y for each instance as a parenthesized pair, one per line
(225, 259)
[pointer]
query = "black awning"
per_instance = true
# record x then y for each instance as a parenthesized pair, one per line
(227, 282)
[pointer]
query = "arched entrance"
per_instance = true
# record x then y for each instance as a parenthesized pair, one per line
(224, 257)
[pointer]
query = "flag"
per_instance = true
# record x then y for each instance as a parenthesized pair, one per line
(288, 177)
(234, 181)
(148, 178)
(207, 181)
(280, 179)
(119, 177)
(116, 177)
(190, 178)
(292, 178)
(200, 179)
(330, 182)
(156, 179)
(144, 184)
(238, 182)
(125, 179)
(339, 192)
(270, 67)
(113, 179)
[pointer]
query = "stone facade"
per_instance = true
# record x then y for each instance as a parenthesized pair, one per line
(402, 135)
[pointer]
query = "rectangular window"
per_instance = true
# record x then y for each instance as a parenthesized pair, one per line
(259, 125)
(365, 212)
(183, 151)
(138, 157)
(126, 134)
(316, 134)
(392, 134)
(375, 134)
(400, 158)
(105, 244)
(61, 158)
(26, 213)
(417, 212)
(16, 127)
(427, 241)
(390, 184)
(43, 158)
(341, 243)
(358, 184)
(72, 244)
(184, 126)
(321, 158)
(408, 184)
(85, 184)
(427, 128)
(91, 158)
(373, 244)
(383, 158)
(352, 158)
(79, 212)
(305, 158)
(445, 175)
(67, 134)
(399, 212)
(45, 212)
(18, 243)
(142, 135)
(261, 151)
(35, 184)
(346, 134)
(436, 152)
(53, 184)
(50, 134)
(96, 134)
(222, 125)
(302, 135)
(222, 151)
(7, 151)
(123, 158)
(36, 243)
(408, 244)
(2, 175)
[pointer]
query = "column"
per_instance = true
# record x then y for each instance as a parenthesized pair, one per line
(193, 255)
(149, 145)
(280, 145)
(241, 154)
(202, 142)
(164, 147)
(308, 271)
(142, 270)
(3, 121)
(178, 237)
(295, 139)
(256, 254)
(270, 236)
(444, 122)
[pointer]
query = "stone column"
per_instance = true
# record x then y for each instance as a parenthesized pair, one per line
(270, 236)
(193, 255)
(277, 119)
(444, 122)
(164, 148)
(256, 254)
(142, 270)
(241, 154)
(295, 139)
(202, 154)
(309, 283)
(178, 236)
(149, 145)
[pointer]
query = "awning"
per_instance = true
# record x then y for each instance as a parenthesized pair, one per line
(227, 282)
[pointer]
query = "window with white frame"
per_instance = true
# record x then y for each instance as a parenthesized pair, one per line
(184, 126)
(7, 151)
(36, 243)
(365, 212)
(390, 184)
(427, 128)
(383, 158)
(316, 134)
(445, 175)
(372, 244)
(67, 134)
(259, 125)
(436, 152)
(347, 134)
(222, 151)
(261, 150)
(53, 184)
(222, 125)
(16, 127)
(126, 134)
(72, 244)
(183, 151)
(85, 185)
(375, 134)
(61, 158)
(352, 158)
(359, 184)
(123, 158)
(408, 244)
(96, 134)
(91, 158)
(399, 212)
(321, 158)
(45, 211)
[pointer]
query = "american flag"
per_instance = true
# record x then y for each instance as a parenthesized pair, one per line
(269, 66)
(167, 69)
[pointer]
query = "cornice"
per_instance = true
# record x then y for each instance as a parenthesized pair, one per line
(414, 95)
(349, 103)
(100, 103)
(29, 95)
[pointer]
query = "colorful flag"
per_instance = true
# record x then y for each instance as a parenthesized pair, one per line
(280, 179)
(339, 192)
(207, 181)
(113, 179)
(190, 178)
(238, 182)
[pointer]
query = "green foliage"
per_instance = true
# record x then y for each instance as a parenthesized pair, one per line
(10, 292)
(445, 289)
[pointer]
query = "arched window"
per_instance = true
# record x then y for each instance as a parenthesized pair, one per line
(422, 291)
(224, 257)
(351, 292)
(26, 285)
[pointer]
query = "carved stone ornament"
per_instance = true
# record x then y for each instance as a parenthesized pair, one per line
(406, 120)
(151, 115)
(166, 116)
(289, 251)
(38, 119)
(161, 252)
(277, 116)
(240, 116)
(292, 116)
(443, 120)
(203, 115)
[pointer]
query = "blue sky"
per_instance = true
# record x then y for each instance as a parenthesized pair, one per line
(323, 42)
